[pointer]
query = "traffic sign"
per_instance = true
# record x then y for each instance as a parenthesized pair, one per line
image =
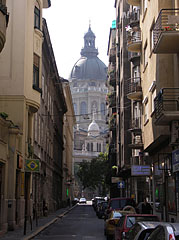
(121, 184)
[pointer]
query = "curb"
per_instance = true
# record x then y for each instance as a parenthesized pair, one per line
(42, 228)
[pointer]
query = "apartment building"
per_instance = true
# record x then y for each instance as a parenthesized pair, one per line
(157, 43)
(20, 93)
(48, 145)
(68, 136)
(111, 106)
(123, 107)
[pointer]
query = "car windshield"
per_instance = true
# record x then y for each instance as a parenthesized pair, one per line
(121, 203)
(133, 219)
(117, 215)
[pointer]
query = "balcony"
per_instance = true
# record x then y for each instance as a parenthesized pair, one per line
(134, 90)
(134, 17)
(135, 125)
(166, 32)
(112, 55)
(166, 106)
(134, 42)
(46, 3)
(137, 142)
(112, 123)
(133, 2)
(4, 17)
(111, 98)
(112, 78)
(134, 57)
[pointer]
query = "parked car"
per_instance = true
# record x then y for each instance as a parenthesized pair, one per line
(75, 201)
(82, 200)
(101, 208)
(165, 231)
(96, 201)
(110, 224)
(141, 230)
(129, 220)
(120, 203)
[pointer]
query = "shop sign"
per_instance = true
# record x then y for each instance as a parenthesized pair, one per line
(175, 160)
(115, 179)
(140, 170)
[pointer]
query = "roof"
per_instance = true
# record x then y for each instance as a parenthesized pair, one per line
(89, 68)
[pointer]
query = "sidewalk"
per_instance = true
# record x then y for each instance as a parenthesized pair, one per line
(43, 223)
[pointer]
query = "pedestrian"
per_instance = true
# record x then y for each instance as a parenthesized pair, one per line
(146, 207)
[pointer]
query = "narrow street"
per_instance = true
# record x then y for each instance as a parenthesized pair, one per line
(81, 223)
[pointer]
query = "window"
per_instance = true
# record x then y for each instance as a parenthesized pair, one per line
(103, 109)
(153, 97)
(83, 108)
(37, 16)
(151, 37)
(36, 71)
(75, 108)
(146, 110)
(91, 147)
(145, 56)
(145, 5)
(43, 87)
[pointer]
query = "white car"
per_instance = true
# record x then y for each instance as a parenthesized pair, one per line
(141, 230)
(82, 200)
(165, 231)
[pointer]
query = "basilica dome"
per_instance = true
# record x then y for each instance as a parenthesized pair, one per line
(89, 66)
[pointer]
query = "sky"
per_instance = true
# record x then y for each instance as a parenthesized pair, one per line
(68, 21)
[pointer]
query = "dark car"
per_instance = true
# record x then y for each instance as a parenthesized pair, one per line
(96, 201)
(120, 203)
(129, 220)
(101, 208)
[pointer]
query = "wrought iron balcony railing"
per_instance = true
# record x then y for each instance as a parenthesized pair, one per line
(112, 54)
(134, 17)
(112, 78)
(134, 41)
(137, 142)
(166, 106)
(135, 125)
(112, 123)
(134, 89)
(166, 31)
(134, 2)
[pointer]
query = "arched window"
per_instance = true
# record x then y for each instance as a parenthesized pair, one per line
(75, 108)
(37, 15)
(83, 109)
(103, 110)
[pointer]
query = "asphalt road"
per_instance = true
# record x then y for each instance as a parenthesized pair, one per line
(81, 223)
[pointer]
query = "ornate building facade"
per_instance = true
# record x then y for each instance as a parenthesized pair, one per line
(87, 82)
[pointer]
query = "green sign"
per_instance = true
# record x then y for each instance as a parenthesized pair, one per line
(32, 165)
(67, 192)
(113, 24)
